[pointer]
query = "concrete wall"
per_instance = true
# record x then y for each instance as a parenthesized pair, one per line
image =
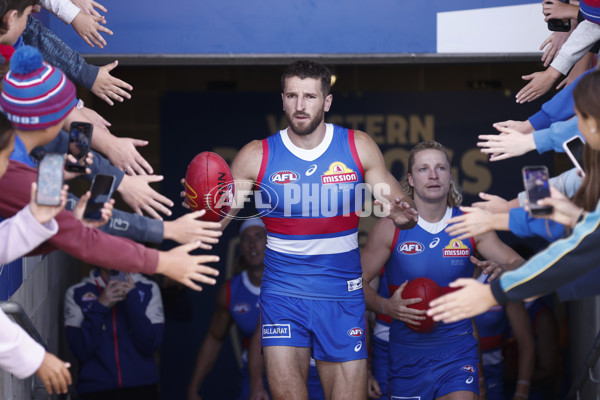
(41, 295)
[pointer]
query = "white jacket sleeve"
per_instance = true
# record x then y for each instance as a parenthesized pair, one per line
(63, 9)
(579, 42)
(19, 353)
(22, 233)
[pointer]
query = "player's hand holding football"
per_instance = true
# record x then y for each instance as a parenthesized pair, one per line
(137, 192)
(473, 298)
(398, 309)
(44, 214)
(189, 228)
(185, 268)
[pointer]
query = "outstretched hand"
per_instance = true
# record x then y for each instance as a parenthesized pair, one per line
(492, 203)
(473, 222)
(509, 143)
(473, 298)
(539, 84)
(88, 27)
(124, 155)
(89, 6)
(185, 268)
(139, 195)
(190, 228)
(552, 46)
(108, 87)
(402, 211)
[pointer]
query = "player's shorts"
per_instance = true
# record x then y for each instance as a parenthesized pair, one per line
(427, 376)
(335, 330)
(379, 363)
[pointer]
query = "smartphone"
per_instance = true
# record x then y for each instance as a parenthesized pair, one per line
(560, 25)
(50, 179)
(535, 179)
(574, 149)
(102, 189)
(80, 141)
(118, 275)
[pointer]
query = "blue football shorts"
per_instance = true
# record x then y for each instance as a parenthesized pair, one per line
(335, 330)
(415, 376)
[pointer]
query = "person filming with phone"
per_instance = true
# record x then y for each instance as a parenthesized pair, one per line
(114, 323)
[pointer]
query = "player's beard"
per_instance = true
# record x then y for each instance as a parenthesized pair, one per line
(304, 128)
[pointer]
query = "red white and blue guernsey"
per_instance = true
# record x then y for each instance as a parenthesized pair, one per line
(313, 199)
(428, 251)
(433, 364)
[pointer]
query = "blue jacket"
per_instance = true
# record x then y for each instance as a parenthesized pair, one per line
(115, 347)
(562, 262)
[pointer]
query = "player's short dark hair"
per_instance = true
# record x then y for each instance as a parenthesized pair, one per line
(308, 69)
(7, 5)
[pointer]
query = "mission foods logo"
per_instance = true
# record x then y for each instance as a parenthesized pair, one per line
(283, 177)
(456, 248)
(411, 248)
(338, 173)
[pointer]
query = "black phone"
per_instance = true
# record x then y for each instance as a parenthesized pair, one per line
(559, 25)
(80, 141)
(537, 187)
(574, 149)
(102, 189)
(50, 179)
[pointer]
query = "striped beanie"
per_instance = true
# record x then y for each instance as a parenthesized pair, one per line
(590, 9)
(35, 95)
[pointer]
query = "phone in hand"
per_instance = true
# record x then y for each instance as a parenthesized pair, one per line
(574, 149)
(50, 179)
(80, 141)
(537, 187)
(559, 25)
(102, 189)
(120, 276)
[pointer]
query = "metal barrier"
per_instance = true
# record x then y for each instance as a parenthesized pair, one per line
(586, 371)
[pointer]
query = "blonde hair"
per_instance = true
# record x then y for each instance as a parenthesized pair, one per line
(454, 195)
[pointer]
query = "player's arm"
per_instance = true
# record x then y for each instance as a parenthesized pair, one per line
(245, 168)
(374, 256)
(386, 189)
(523, 332)
(211, 346)
(492, 248)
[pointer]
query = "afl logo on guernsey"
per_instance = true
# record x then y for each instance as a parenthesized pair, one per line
(338, 173)
(355, 332)
(456, 248)
(241, 308)
(410, 248)
(283, 177)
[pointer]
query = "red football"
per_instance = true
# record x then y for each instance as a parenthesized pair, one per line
(427, 289)
(209, 186)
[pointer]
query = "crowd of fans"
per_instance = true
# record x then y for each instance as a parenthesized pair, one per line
(119, 303)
